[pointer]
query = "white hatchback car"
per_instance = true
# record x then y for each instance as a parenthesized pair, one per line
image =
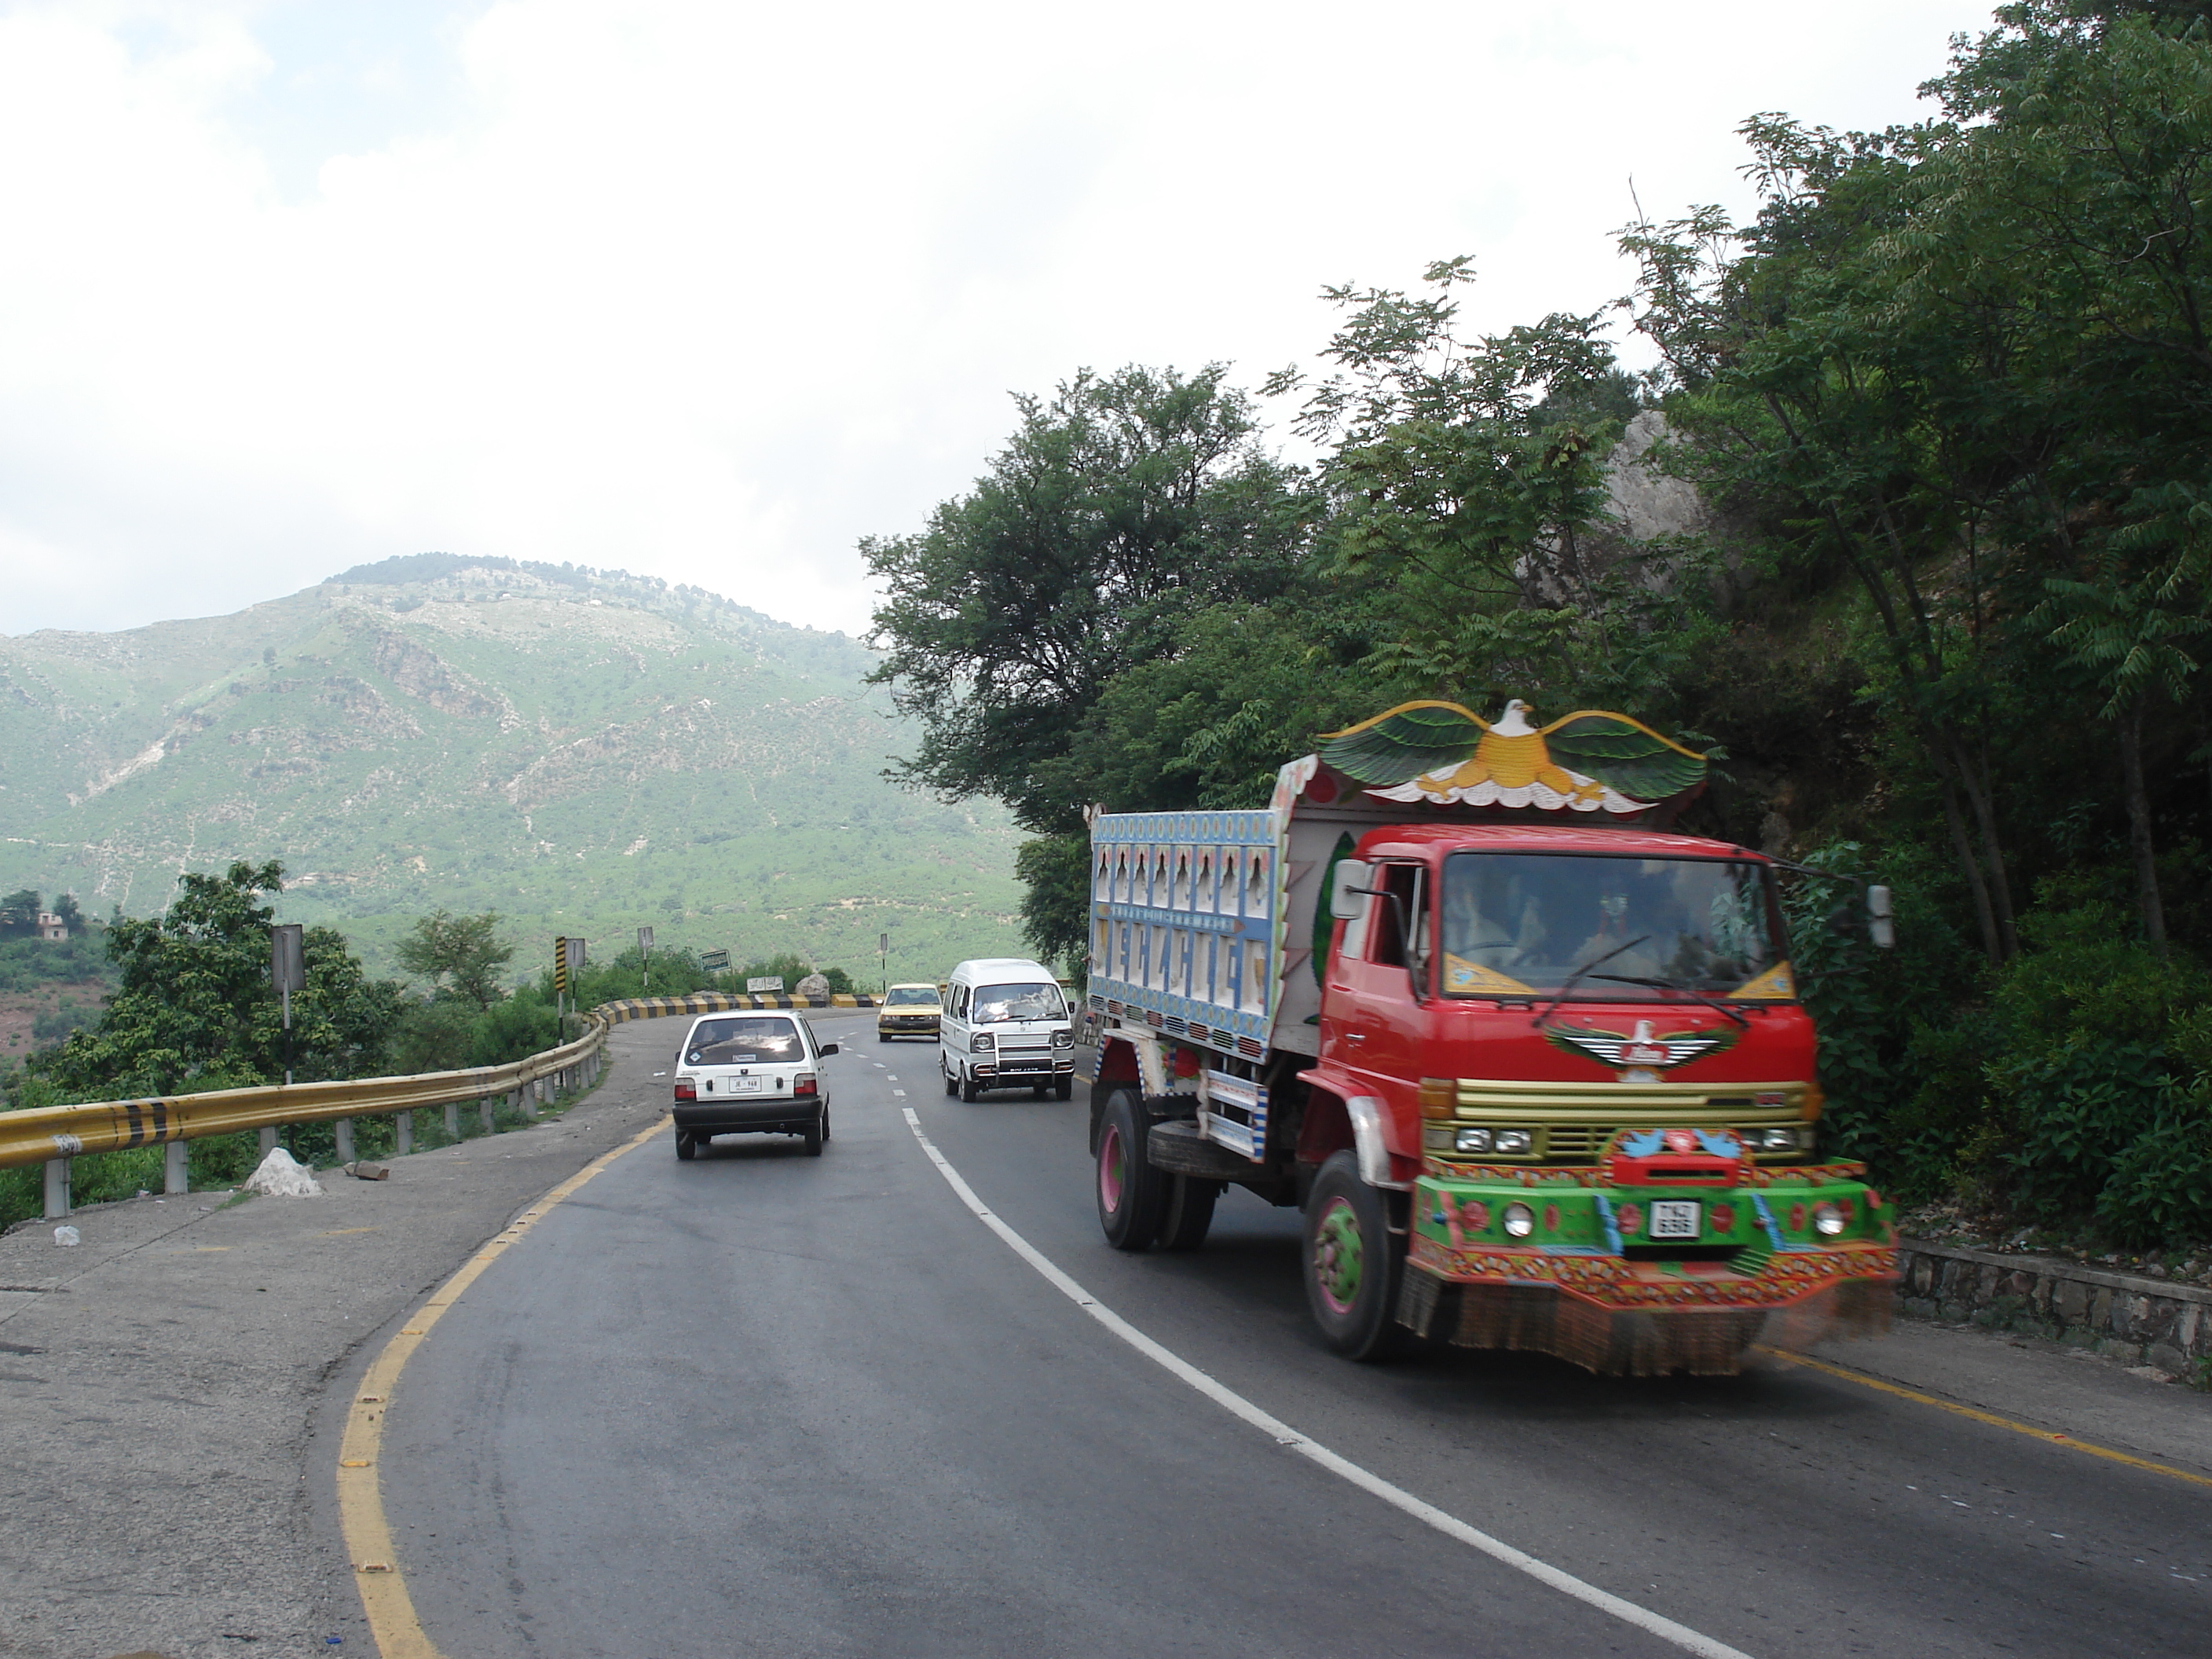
(741, 1073)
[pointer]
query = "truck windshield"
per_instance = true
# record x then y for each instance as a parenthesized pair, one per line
(1516, 922)
(997, 1003)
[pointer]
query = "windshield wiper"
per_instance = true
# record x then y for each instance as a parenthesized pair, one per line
(1735, 1014)
(1575, 978)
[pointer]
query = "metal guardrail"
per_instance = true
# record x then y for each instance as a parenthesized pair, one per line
(52, 1135)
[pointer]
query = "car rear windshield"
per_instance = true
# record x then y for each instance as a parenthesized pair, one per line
(910, 996)
(995, 1004)
(743, 1040)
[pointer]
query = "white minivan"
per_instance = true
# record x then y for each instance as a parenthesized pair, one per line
(1005, 1025)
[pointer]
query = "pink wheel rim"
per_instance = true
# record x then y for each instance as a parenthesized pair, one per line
(1109, 1170)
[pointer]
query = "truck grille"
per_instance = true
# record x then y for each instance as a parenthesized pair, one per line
(1573, 1122)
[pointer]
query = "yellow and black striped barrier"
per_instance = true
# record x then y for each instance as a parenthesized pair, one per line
(720, 1002)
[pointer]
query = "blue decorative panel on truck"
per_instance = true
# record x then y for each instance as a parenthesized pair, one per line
(1183, 913)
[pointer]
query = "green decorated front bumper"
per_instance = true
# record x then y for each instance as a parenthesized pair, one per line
(1760, 1244)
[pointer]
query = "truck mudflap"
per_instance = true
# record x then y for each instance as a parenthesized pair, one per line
(1557, 1262)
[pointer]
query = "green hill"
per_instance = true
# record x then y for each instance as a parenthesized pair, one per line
(582, 751)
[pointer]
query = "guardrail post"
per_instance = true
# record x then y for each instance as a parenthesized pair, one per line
(57, 1188)
(267, 1140)
(453, 1119)
(345, 1126)
(176, 1169)
(402, 1133)
(525, 1098)
(484, 1110)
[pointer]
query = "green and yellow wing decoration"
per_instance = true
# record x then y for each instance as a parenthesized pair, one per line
(1586, 762)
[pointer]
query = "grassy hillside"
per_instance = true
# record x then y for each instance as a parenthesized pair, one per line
(582, 752)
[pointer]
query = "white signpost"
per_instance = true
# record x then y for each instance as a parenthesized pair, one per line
(771, 984)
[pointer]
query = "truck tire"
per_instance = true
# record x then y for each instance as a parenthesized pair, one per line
(1131, 1195)
(1188, 1211)
(968, 1087)
(1063, 1088)
(1352, 1262)
(952, 1085)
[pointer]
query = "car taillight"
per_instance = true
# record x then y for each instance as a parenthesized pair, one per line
(686, 1089)
(802, 1085)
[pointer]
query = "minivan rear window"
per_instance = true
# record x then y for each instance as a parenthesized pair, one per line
(995, 1004)
(910, 996)
(744, 1040)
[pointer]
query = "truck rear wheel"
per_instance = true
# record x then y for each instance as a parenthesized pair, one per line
(1352, 1262)
(1131, 1195)
(1188, 1211)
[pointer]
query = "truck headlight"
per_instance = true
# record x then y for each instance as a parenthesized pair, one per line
(1063, 1039)
(1772, 1140)
(1519, 1221)
(1471, 1140)
(1514, 1140)
(981, 1043)
(1827, 1220)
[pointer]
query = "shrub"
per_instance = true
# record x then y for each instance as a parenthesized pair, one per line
(2160, 1189)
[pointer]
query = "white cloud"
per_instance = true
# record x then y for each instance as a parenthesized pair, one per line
(710, 290)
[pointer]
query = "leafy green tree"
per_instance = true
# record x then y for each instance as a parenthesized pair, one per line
(195, 1011)
(1119, 507)
(65, 907)
(462, 956)
(19, 913)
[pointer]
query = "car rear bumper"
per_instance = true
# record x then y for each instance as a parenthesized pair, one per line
(732, 1117)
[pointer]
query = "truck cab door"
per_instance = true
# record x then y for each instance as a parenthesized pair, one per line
(1378, 1025)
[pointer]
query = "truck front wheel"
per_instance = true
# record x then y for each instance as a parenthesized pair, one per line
(1131, 1195)
(1354, 1261)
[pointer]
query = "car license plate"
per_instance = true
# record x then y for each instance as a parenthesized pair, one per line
(1674, 1219)
(752, 1086)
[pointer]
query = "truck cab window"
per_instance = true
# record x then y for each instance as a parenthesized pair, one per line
(1388, 945)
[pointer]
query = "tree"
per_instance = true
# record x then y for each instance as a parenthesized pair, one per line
(195, 1011)
(1119, 507)
(460, 955)
(19, 913)
(65, 907)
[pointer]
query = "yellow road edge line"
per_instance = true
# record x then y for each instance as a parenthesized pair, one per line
(2048, 1436)
(392, 1624)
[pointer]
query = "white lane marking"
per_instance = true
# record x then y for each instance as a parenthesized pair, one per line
(1284, 1435)
(901, 1093)
(890, 1077)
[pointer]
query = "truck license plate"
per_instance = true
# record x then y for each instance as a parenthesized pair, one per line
(752, 1086)
(1674, 1219)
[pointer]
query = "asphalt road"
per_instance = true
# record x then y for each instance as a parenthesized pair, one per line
(764, 1403)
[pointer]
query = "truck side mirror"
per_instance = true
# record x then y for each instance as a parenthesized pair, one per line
(1881, 928)
(1348, 888)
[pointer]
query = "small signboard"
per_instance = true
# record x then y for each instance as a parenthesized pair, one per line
(560, 965)
(773, 982)
(575, 948)
(714, 961)
(288, 957)
(645, 941)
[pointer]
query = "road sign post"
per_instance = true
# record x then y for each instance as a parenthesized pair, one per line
(884, 960)
(645, 956)
(287, 972)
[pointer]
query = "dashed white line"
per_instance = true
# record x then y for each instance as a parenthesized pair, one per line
(901, 1093)
(1228, 1400)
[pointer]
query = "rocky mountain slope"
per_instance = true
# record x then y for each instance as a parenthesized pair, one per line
(582, 751)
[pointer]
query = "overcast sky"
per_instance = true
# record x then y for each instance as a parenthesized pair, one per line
(711, 290)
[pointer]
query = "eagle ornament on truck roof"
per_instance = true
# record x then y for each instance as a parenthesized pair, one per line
(1586, 762)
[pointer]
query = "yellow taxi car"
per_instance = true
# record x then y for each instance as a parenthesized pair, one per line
(909, 1011)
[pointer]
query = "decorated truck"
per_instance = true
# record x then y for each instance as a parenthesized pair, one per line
(1531, 1063)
